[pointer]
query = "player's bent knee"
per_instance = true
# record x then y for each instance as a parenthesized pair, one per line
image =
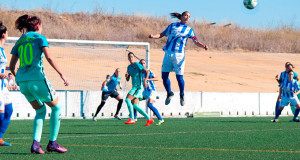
(42, 110)
(281, 108)
(57, 107)
(127, 100)
(151, 107)
(165, 75)
(9, 109)
(53, 103)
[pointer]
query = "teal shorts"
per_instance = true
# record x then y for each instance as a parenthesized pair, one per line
(40, 91)
(137, 93)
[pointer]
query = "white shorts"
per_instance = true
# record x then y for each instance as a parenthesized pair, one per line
(173, 62)
(286, 101)
(149, 94)
(4, 98)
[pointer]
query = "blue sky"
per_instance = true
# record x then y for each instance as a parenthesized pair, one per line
(268, 13)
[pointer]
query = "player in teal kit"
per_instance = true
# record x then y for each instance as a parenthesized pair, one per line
(134, 70)
(30, 49)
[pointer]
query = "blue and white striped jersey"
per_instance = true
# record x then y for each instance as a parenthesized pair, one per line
(178, 35)
(3, 62)
(151, 85)
(284, 75)
(289, 88)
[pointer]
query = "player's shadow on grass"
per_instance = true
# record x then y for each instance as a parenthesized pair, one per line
(15, 153)
(83, 133)
(121, 124)
(100, 124)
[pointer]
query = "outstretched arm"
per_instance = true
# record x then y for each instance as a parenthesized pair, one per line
(199, 44)
(53, 64)
(156, 36)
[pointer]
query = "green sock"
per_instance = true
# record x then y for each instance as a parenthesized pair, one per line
(38, 123)
(54, 121)
(130, 107)
(141, 111)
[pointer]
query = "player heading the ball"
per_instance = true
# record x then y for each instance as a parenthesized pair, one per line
(174, 59)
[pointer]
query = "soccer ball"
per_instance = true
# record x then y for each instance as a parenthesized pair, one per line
(250, 4)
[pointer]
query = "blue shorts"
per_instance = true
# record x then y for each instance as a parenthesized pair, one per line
(40, 91)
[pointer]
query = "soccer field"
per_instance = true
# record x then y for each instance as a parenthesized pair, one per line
(189, 138)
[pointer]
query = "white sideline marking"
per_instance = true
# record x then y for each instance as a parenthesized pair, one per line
(148, 134)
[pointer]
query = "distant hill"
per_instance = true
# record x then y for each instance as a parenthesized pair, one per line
(100, 26)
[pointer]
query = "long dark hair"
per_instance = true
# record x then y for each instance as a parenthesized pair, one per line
(289, 63)
(133, 55)
(27, 22)
(3, 29)
(178, 15)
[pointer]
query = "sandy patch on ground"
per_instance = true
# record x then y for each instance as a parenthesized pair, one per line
(217, 71)
(213, 71)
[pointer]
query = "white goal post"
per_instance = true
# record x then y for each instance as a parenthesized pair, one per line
(146, 44)
(85, 63)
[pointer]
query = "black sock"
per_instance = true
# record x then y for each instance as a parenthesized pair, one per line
(99, 108)
(119, 106)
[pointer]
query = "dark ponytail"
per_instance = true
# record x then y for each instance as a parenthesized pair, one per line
(3, 29)
(133, 55)
(27, 22)
(177, 15)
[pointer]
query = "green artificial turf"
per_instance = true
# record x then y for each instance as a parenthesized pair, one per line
(182, 138)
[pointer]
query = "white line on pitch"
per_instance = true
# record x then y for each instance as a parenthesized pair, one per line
(148, 134)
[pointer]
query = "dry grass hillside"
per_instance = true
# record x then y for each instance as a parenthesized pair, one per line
(100, 26)
(239, 59)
